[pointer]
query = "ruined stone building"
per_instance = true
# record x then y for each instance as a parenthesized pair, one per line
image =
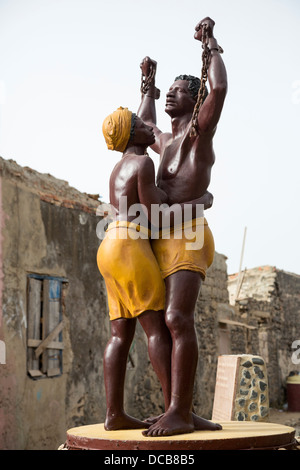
(54, 321)
(268, 301)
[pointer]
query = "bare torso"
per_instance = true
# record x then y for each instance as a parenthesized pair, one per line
(133, 189)
(185, 166)
(123, 183)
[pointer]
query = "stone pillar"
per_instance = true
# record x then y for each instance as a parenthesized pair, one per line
(241, 392)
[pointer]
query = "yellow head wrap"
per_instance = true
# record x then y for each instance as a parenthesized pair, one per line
(116, 129)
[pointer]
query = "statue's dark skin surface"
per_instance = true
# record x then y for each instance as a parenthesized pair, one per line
(184, 174)
(126, 180)
(134, 178)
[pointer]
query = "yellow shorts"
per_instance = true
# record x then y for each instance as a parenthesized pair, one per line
(132, 276)
(190, 247)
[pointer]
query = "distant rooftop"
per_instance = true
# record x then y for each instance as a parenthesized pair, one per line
(257, 283)
(49, 188)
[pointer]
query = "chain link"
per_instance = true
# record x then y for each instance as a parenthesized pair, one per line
(204, 72)
(146, 81)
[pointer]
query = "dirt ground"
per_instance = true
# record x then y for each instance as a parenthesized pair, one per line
(287, 418)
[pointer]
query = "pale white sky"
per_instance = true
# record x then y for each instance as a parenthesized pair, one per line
(66, 64)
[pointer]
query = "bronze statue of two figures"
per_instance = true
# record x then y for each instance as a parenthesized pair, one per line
(156, 280)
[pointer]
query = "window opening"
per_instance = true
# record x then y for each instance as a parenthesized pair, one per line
(45, 301)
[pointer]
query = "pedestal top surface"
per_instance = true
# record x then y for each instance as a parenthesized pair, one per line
(234, 434)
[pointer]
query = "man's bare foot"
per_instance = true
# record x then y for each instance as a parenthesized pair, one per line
(200, 424)
(123, 421)
(170, 424)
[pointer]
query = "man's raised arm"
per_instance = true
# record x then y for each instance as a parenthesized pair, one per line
(147, 109)
(209, 113)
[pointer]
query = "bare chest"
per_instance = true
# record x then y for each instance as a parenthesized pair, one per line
(184, 171)
(178, 162)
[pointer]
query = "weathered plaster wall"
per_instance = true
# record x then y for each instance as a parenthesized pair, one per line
(50, 229)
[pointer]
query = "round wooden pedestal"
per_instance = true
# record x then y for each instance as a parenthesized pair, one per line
(235, 435)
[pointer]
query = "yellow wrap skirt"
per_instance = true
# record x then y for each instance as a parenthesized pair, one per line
(132, 276)
(186, 247)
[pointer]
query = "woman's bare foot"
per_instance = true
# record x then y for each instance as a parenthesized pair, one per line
(123, 421)
(153, 419)
(202, 424)
(169, 424)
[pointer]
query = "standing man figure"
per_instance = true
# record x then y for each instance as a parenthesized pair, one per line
(184, 174)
